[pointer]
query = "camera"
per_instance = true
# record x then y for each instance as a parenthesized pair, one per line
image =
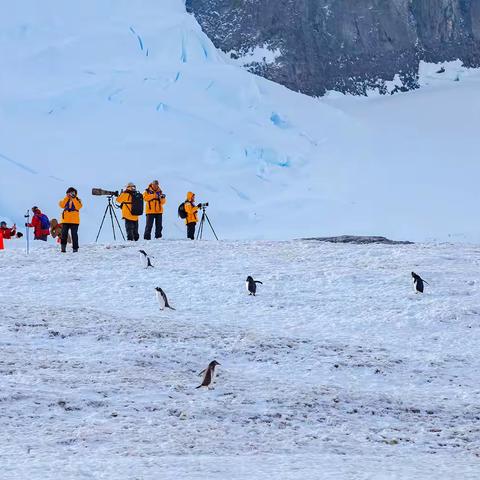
(108, 193)
(203, 205)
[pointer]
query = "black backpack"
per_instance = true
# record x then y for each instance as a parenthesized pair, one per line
(181, 211)
(137, 203)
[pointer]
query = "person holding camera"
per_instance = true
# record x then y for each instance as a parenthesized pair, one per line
(71, 205)
(154, 201)
(125, 199)
(191, 210)
(7, 232)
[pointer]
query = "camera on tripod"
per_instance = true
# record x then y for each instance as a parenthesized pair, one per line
(203, 205)
(101, 191)
(110, 209)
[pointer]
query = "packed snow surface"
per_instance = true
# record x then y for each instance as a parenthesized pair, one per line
(98, 94)
(336, 369)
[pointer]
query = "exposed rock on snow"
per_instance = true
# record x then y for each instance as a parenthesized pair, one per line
(360, 240)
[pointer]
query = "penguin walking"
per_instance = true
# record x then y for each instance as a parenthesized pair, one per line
(418, 283)
(162, 299)
(208, 375)
(145, 259)
(251, 285)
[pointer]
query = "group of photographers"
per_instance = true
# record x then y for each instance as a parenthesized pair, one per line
(154, 200)
(131, 203)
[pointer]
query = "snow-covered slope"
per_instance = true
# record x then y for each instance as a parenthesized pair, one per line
(335, 370)
(102, 93)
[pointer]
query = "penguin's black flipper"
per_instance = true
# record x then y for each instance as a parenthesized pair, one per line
(202, 372)
(149, 263)
(258, 281)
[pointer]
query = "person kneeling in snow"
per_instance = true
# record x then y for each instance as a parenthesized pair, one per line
(56, 231)
(7, 232)
(40, 224)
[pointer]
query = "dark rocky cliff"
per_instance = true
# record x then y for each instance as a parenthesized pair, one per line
(345, 45)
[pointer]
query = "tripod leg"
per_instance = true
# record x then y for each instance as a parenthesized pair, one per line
(200, 227)
(208, 220)
(101, 225)
(118, 223)
(110, 209)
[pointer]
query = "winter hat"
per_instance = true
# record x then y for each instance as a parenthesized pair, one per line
(130, 185)
(34, 209)
(3, 224)
(72, 190)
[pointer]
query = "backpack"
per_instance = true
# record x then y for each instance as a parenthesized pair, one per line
(137, 203)
(44, 222)
(181, 211)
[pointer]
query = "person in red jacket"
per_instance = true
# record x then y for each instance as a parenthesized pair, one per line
(7, 232)
(40, 224)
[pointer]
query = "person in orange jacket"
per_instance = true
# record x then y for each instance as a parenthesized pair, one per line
(71, 205)
(131, 220)
(191, 210)
(155, 199)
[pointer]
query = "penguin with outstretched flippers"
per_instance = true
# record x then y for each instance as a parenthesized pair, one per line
(251, 285)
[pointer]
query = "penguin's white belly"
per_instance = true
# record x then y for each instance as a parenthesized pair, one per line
(247, 287)
(161, 301)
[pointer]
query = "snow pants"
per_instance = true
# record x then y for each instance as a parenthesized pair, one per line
(73, 228)
(131, 227)
(191, 230)
(157, 218)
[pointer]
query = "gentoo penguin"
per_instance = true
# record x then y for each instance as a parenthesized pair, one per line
(418, 282)
(146, 259)
(251, 285)
(162, 299)
(209, 374)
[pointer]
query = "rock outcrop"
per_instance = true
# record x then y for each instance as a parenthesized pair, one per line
(347, 45)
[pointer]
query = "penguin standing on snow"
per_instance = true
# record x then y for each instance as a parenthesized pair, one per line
(251, 285)
(162, 299)
(145, 259)
(209, 374)
(418, 283)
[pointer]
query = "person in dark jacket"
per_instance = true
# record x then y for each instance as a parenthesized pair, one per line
(40, 225)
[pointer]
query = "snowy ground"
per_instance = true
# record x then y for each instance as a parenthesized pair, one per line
(335, 370)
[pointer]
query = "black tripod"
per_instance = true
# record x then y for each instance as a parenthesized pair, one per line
(110, 209)
(202, 223)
